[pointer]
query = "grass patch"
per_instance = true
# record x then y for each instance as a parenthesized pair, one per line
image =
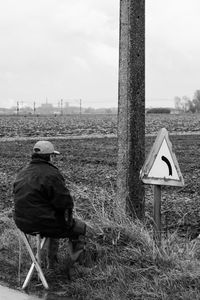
(121, 259)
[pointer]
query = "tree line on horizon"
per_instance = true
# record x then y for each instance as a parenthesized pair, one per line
(185, 104)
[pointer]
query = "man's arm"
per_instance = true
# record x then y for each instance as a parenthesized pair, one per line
(59, 194)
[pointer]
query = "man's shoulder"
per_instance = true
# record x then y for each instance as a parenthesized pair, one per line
(42, 163)
(50, 169)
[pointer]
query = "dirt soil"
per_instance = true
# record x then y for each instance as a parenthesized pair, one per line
(92, 163)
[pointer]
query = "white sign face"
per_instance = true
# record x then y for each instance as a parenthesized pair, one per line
(163, 166)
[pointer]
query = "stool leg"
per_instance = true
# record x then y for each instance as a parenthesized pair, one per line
(34, 264)
(31, 270)
(38, 249)
(38, 254)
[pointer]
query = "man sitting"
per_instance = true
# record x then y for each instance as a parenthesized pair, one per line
(42, 203)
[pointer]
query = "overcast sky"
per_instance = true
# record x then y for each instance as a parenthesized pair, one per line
(172, 49)
(68, 49)
(59, 49)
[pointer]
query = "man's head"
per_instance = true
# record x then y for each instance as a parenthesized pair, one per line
(45, 150)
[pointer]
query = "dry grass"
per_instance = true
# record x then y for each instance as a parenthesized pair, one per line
(121, 261)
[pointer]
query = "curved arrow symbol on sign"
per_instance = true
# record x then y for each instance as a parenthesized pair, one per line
(168, 164)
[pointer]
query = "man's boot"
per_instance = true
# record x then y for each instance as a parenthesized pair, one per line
(77, 239)
(76, 247)
(52, 253)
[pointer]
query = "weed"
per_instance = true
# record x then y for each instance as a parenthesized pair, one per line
(121, 260)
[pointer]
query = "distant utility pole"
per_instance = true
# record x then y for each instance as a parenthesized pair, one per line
(34, 108)
(80, 106)
(131, 106)
(17, 107)
(61, 106)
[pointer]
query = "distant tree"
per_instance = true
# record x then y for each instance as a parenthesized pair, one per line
(89, 110)
(177, 103)
(108, 110)
(196, 100)
(185, 103)
(197, 95)
(191, 107)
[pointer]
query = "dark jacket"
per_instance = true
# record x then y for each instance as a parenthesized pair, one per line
(41, 198)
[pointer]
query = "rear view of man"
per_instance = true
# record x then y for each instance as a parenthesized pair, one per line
(42, 203)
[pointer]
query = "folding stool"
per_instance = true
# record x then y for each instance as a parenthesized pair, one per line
(36, 259)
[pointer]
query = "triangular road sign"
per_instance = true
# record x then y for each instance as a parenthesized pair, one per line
(161, 166)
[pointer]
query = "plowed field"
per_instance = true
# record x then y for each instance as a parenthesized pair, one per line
(73, 125)
(91, 164)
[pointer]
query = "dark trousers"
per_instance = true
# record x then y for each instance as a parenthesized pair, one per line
(76, 235)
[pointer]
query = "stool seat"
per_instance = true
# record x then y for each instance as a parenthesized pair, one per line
(36, 259)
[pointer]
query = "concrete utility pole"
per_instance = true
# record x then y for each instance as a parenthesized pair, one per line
(61, 106)
(34, 108)
(17, 107)
(80, 107)
(131, 106)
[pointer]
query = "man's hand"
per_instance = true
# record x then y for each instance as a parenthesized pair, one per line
(69, 217)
